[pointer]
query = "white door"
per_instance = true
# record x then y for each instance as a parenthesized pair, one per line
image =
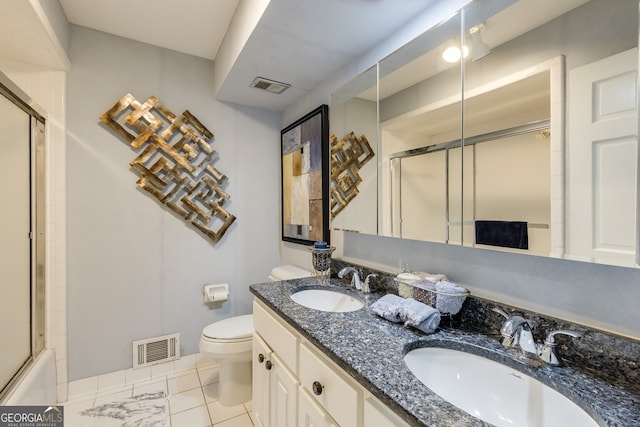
(602, 144)
(15, 243)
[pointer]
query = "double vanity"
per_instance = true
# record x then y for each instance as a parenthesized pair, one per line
(323, 358)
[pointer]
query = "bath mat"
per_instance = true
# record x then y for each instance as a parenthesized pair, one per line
(142, 410)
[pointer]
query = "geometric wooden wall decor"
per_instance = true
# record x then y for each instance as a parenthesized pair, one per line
(348, 156)
(174, 162)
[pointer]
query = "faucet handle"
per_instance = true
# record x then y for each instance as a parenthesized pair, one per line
(550, 341)
(547, 351)
(500, 312)
(366, 287)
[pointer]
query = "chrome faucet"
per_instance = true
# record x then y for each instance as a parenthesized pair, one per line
(547, 351)
(516, 331)
(355, 278)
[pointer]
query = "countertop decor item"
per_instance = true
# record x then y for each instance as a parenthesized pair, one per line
(305, 178)
(174, 162)
(321, 260)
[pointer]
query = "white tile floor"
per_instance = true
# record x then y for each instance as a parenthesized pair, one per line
(192, 395)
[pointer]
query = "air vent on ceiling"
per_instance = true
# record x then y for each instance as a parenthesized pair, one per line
(269, 85)
(156, 350)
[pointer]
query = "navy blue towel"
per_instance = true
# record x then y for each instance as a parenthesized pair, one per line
(507, 234)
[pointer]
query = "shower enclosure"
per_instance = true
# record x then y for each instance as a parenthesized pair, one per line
(22, 287)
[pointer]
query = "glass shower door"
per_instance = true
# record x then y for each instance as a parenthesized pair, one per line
(15, 240)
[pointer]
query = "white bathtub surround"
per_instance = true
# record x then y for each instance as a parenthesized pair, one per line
(38, 384)
(190, 387)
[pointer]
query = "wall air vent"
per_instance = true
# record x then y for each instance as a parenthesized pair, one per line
(269, 85)
(156, 350)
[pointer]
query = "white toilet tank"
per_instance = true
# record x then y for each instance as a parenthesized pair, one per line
(287, 272)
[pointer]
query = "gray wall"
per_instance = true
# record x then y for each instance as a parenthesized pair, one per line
(600, 296)
(135, 270)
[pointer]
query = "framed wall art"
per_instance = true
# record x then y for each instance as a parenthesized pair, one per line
(305, 178)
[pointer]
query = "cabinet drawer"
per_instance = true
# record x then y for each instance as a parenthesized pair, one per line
(280, 338)
(339, 397)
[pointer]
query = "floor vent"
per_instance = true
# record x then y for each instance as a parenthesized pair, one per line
(156, 350)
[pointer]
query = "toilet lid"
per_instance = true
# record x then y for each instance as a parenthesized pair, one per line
(233, 328)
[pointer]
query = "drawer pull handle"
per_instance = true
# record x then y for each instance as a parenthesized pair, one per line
(317, 388)
(268, 365)
(261, 358)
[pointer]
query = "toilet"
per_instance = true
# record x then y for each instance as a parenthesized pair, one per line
(229, 342)
(288, 272)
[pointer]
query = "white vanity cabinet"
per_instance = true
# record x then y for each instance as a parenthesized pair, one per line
(295, 384)
(275, 386)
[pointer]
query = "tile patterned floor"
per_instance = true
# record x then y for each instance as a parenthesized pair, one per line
(192, 397)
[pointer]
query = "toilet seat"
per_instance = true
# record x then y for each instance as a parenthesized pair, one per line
(231, 330)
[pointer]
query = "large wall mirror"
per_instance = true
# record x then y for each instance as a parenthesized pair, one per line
(511, 126)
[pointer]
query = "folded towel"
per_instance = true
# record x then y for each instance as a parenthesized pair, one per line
(419, 315)
(448, 300)
(388, 307)
(430, 276)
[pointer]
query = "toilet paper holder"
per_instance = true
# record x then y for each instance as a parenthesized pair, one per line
(215, 293)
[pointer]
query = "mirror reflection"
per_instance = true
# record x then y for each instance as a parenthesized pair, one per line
(525, 141)
(354, 147)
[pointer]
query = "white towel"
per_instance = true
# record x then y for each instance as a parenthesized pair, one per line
(430, 276)
(450, 304)
(388, 307)
(419, 315)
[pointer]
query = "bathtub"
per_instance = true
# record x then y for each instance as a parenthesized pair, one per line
(38, 384)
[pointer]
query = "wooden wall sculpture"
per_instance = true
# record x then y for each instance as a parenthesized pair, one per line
(348, 156)
(174, 162)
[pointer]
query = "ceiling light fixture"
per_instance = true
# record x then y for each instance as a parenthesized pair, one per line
(269, 85)
(453, 54)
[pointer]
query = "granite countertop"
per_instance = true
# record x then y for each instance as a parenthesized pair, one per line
(371, 350)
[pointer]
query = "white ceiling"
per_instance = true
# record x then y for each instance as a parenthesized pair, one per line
(195, 27)
(296, 42)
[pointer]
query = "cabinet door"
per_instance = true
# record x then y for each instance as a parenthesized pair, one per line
(261, 376)
(378, 415)
(603, 142)
(284, 395)
(310, 414)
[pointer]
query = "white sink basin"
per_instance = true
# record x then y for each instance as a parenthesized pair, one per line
(493, 392)
(327, 300)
